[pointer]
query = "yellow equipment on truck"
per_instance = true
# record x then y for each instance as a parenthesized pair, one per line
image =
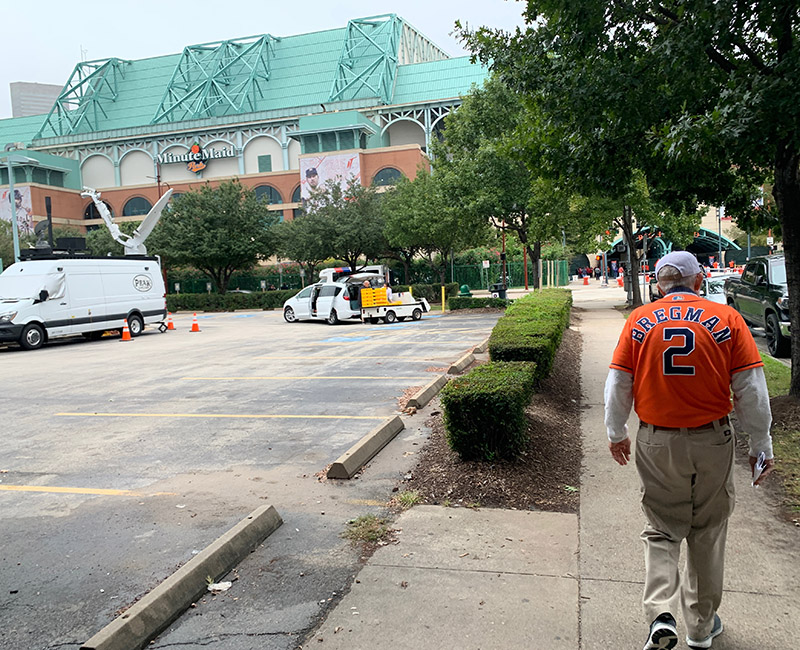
(380, 304)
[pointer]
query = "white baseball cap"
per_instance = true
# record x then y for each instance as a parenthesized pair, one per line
(685, 262)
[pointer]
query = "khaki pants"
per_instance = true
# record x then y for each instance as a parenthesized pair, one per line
(686, 479)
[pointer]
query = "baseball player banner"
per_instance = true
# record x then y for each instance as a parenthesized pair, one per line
(315, 171)
(23, 207)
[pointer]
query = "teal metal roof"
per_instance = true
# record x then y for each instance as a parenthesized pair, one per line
(424, 82)
(291, 76)
(19, 129)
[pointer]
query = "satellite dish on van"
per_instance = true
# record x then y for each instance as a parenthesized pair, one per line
(133, 244)
(41, 230)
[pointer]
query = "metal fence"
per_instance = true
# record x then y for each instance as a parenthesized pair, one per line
(554, 274)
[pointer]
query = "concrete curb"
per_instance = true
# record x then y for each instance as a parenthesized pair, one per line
(467, 360)
(155, 611)
(365, 449)
(482, 347)
(426, 394)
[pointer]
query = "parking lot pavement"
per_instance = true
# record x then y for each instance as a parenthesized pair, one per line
(120, 460)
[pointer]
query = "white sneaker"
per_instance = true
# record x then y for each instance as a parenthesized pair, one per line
(663, 633)
(716, 630)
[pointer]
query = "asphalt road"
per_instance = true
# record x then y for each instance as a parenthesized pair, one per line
(119, 461)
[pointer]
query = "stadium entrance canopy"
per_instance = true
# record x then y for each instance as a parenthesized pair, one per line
(705, 243)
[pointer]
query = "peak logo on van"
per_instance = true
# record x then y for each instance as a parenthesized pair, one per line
(142, 283)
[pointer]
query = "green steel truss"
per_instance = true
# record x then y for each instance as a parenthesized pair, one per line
(79, 107)
(372, 49)
(217, 79)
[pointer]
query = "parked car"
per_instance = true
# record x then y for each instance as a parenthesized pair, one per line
(330, 301)
(712, 288)
(761, 296)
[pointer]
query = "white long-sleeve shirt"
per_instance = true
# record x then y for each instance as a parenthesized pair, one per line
(750, 400)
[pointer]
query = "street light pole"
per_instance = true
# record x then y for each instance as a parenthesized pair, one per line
(720, 212)
(13, 206)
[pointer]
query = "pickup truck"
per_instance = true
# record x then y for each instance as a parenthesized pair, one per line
(761, 297)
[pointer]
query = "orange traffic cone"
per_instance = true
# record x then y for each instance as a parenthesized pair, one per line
(170, 324)
(126, 333)
(195, 324)
(586, 280)
(619, 281)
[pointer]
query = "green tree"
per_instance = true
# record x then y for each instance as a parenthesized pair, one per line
(421, 217)
(349, 221)
(7, 243)
(100, 242)
(301, 240)
(703, 97)
(216, 230)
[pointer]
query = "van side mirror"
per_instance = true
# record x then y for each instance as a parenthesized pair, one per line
(43, 295)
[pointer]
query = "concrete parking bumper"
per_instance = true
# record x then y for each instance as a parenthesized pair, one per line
(428, 392)
(365, 449)
(154, 612)
(464, 362)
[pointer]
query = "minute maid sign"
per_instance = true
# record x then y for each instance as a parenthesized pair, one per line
(196, 157)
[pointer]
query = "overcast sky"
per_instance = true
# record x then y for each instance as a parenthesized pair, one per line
(45, 39)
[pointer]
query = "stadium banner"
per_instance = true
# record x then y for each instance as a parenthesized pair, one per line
(24, 207)
(316, 170)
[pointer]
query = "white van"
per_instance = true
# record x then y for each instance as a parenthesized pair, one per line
(41, 299)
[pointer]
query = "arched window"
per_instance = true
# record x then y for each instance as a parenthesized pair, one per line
(296, 198)
(387, 176)
(269, 194)
(136, 207)
(91, 211)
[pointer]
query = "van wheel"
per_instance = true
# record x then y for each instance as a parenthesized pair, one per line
(333, 318)
(93, 336)
(32, 337)
(135, 324)
(289, 315)
(390, 317)
(416, 314)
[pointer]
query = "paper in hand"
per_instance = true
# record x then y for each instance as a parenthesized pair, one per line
(761, 464)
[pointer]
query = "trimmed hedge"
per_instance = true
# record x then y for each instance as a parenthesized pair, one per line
(275, 299)
(484, 410)
(431, 292)
(459, 302)
(227, 301)
(531, 329)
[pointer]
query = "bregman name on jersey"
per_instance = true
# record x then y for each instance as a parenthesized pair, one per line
(683, 314)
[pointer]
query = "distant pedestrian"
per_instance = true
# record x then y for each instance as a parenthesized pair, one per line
(677, 362)
(597, 272)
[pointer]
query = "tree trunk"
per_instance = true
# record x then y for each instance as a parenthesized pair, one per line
(631, 260)
(787, 197)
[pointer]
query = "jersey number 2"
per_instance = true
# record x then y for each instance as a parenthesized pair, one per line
(676, 350)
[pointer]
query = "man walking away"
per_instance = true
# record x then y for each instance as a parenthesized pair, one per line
(676, 362)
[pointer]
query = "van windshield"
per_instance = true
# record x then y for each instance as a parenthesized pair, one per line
(22, 287)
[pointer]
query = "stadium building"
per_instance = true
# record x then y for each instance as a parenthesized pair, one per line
(281, 113)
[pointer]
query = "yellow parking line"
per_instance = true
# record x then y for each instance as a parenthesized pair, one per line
(333, 356)
(66, 490)
(399, 341)
(256, 416)
(310, 377)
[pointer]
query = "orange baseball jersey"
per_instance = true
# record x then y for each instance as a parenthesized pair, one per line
(682, 351)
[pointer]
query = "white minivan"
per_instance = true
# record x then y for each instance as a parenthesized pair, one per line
(42, 299)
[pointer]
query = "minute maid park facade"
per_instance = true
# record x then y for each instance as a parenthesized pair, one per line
(280, 113)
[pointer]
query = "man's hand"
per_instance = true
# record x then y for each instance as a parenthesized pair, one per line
(769, 465)
(621, 451)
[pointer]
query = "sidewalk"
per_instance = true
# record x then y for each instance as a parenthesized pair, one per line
(489, 579)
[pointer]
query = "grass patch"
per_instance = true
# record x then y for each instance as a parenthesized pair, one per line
(367, 528)
(778, 376)
(785, 442)
(408, 498)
